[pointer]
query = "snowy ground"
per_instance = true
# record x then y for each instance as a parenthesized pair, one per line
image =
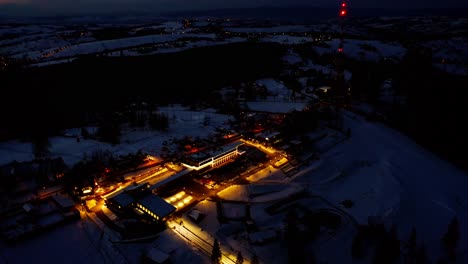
(382, 171)
(326, 70)
(276, 107)
(182, 123)
(277, 29)
(286, 39)
(77, 242)
(275, 87)
(386, 174)
(356, 49)
(168, 242)
(180, 46)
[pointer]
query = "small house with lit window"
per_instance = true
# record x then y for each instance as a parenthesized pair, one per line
(155, 207)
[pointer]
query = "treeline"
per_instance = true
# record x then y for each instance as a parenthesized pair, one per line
(433, 111)
(59, 96)
(385, 247)
(437, 102)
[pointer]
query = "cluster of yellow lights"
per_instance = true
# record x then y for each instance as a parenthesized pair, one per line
(259, 146)
(144, 209)
(179, 199)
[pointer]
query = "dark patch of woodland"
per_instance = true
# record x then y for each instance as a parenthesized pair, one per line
(51, 98)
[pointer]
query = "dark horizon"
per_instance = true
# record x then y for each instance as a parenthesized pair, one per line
(298, 13)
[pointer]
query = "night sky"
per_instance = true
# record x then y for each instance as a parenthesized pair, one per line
(57, 7)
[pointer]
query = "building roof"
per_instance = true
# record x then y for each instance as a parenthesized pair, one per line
(195, 214)
(215, 151)
(269, 134)
(135, 187)
(170, 179)
(28, 207)
(124, 199)
(63, 201)
(157, 205)
(157, 255)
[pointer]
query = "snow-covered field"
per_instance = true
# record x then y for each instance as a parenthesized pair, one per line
(386, 174)
(276, 29)
(182, 123)
(372, 50)
(77, 242)
(286, 39)
(167, 48)
(179, 250)
(276, 107)
(65, 51)
(382, 171)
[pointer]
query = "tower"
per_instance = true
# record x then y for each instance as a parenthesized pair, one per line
(339, 85)
(343, 13)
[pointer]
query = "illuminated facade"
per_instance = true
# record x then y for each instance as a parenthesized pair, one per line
(155, 207)
(151, 205)
(214, 159)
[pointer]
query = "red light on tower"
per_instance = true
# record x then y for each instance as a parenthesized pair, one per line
(340, 50)
(343, 10)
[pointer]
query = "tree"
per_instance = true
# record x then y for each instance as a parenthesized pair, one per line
(40, 146)
(421, 255)
(388, 246)
(159, 121)
(450, 239)
(452, 236)
(412, 248)
(109, 131)
(85, 133)
(206, 120)
(357, 249)
(394, 243)
(216, 253)
(294, 238)
(239, 259)
(254, 260)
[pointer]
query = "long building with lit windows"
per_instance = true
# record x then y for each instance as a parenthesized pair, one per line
(214, 158)
(155, 207)
(150, 206)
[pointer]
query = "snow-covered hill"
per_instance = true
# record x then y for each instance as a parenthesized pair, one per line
(386, 174)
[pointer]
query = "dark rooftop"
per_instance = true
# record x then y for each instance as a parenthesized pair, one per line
(124, 199)
(157, 205)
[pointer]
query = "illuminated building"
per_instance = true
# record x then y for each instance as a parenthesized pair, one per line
(215, 158)
(149, 205)
(155, 207)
